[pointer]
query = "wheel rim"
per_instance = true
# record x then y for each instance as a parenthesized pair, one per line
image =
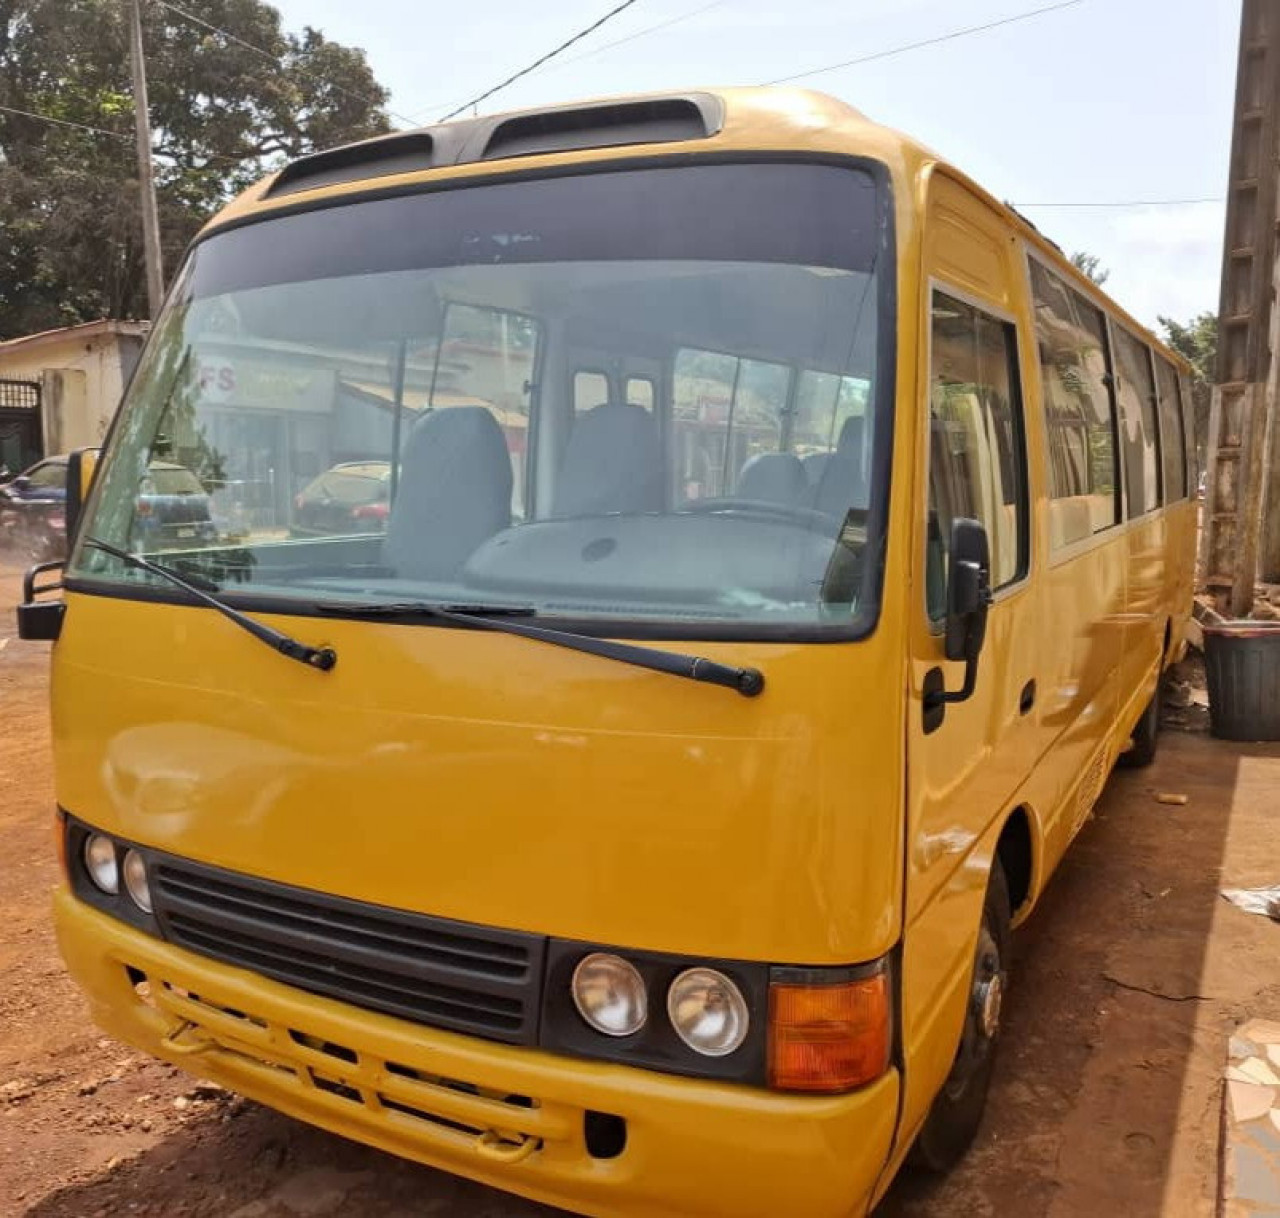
(982, 1016)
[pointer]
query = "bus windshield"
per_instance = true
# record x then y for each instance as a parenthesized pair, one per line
(653, 394)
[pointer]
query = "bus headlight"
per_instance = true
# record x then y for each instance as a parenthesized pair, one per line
(135, 880)
(610, 995)
(708, 1012)
(100, 862)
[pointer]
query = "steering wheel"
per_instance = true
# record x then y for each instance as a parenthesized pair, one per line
(809, 518)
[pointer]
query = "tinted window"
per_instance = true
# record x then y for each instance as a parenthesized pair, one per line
(1139, 434)
(49, 475)
(640, 392)
(353, 485)
(726, 411)
(977, 462)
(590, 389)
(1071, 335)
(824, 403)
(1173, 441)
(163, 480)
(697, 212)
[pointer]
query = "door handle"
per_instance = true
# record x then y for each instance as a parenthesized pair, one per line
(1027, 699)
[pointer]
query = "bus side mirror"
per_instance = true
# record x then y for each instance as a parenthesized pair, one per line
(968, 590)
(968, 600)
(81, 466)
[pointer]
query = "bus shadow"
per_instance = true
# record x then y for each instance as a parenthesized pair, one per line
(1129, 978)
(245, 1161)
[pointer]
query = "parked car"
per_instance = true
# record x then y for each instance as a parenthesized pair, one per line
(172, 511)
(32, 507)
(352, 497)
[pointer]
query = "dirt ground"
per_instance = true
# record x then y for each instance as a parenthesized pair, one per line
(1106, 1102)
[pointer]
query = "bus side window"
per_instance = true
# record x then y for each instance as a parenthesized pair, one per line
(1139, 431)
(1079, 417)
(590, 389)
(1173, 439)
(640, 392)
(977, 457)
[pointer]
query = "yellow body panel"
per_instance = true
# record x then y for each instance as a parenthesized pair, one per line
(500, 781)
(497, 780)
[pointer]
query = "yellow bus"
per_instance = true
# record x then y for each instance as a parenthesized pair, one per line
(632, 799)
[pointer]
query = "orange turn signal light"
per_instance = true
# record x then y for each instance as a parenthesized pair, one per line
(829, 1037)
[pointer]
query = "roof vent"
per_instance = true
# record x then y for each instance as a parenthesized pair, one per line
(373, 158)
(658, 120)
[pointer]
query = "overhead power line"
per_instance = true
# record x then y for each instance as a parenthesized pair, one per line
(64, 122)
(643, 33)
(275, 59)
(926, 42)
(1113, 203)
(600, 50)
(537, 63)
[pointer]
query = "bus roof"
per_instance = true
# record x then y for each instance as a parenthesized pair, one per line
(617, 129)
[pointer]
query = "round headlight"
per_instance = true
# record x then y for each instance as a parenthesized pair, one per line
(610, 994)
(708, 1012)
(100, 862)
(135, 880)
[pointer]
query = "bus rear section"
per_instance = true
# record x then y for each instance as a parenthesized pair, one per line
(569, 855)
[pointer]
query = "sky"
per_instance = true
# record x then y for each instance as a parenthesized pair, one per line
(1100, 101)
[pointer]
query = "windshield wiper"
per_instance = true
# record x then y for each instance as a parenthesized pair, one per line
(323, 658)
(747, 681)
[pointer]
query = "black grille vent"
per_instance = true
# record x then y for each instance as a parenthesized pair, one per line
(641, 120)
(408, 153)
(433, 971)
(657, 120)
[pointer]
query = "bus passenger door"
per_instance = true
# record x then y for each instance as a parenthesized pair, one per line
(965, 759)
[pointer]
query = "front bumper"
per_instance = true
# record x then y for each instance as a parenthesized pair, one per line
(509, 1117)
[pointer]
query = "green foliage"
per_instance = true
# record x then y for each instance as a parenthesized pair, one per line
(1090, 266)
(1196, 342)
(222, 116)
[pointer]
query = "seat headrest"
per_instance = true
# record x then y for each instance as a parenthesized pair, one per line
(613, 463)
(851, 434)
(772, 478)
(454, 492)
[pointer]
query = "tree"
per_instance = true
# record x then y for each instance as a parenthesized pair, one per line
(1089, 266)
(222, 114)
(1197, 342)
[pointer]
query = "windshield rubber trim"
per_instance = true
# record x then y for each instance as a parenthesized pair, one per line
(862, 625)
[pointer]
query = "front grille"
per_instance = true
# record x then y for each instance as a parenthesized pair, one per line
(431, 970)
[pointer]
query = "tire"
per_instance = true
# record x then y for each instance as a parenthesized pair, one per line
(1146, 733)
(956, 1111)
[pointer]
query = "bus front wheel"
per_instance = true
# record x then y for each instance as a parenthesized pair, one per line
(1146, 733)
(956, 1111)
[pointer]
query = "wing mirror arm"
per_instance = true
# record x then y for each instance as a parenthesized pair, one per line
(42, 619)
(968, 600)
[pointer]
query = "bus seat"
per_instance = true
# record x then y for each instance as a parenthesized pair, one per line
(814, 464)
(773, 478)
(454, 492)
(613, 463)
(842, 484)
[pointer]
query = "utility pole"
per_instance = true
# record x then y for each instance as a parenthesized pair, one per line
(146, 179)
(1240, 460)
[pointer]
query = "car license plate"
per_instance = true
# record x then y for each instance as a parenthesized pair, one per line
(186, 532)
